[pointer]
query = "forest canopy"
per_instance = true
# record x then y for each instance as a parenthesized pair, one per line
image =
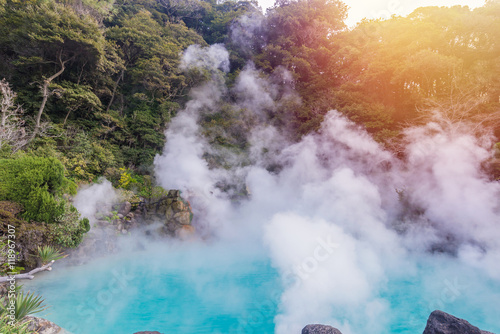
(109, 70)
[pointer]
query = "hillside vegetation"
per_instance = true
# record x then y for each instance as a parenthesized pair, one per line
(89, 86)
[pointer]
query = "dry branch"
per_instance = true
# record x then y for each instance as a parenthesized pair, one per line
(30, 275)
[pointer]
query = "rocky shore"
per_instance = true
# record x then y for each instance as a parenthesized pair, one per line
(439, 322)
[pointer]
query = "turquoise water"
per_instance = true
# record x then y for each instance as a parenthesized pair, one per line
(209, 289)
(199, 290)
(442, 283)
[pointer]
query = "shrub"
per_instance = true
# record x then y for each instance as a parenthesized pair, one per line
(87, 159)
(49, 253)
(34, 182)
(26, 304)
(85, 223)
(126, 178)
(42, 206)
(17, 328)
(38, 183)
(69, 229)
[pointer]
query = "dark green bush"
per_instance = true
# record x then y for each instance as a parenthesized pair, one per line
(69, 229)
(85, 224)
(35, 183)
(38, 184)
(41, 206)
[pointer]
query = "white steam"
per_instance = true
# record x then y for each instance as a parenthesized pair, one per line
(254, 93)
(214, 57)
(245, 30)
(326, 208)
(96, 198)
(447, 181)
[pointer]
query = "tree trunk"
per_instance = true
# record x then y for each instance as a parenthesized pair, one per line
(7, 101)
(114, 90)
(46, 93)
(66, 118)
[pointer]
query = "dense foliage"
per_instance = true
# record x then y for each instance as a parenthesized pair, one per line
(107, 71)
(38, 184)
(34, 183)
(90, 86)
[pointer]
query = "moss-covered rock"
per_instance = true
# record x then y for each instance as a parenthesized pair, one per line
(172, 211)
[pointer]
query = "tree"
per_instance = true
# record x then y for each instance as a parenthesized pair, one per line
(301, 35)
(384, 72)
(47, 37)
(78, 97)
(150, 53)
(12, 130)
(180, 9)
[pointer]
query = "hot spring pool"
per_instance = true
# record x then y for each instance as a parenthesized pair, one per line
(212, 289)
(184, 290)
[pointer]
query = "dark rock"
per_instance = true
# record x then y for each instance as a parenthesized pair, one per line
(174, 193)
(440, 322)
(320, 329)
(125, 208)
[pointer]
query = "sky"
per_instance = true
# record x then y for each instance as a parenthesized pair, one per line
(385, 8)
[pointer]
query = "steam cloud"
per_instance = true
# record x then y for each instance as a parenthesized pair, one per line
(214, 57)
(245, 29)
(331, 218)
(338, 215)
(96, 198)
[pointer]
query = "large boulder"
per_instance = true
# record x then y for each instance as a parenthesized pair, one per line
(440, 322)
(320, 329)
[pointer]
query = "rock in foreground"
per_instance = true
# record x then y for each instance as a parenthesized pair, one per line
(440, 322)
(320, 329)
(43, 326)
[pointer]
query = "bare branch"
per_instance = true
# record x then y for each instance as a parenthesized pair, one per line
(12, 130)
(30, 275)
